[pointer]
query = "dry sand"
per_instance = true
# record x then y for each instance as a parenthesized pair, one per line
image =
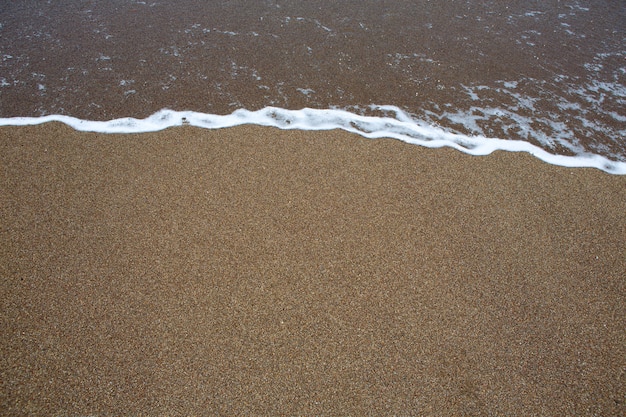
(252, 271)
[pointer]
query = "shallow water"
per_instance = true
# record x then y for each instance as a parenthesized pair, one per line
(551, 73)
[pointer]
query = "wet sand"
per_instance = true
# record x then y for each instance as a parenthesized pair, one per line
(263, 272)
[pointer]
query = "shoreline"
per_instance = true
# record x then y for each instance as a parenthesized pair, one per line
(252, 270)
(401, 126)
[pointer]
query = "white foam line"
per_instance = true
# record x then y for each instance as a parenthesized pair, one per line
(401, 127)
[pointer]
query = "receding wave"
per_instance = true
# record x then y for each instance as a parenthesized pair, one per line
(395, 124)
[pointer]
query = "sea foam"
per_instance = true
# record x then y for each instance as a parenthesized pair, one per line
(398, 125)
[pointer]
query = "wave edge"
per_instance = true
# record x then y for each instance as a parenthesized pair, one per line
(401, 127)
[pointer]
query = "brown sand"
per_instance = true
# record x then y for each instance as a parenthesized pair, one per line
(262, 272)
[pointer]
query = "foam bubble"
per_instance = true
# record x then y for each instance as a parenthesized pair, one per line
(396, 124)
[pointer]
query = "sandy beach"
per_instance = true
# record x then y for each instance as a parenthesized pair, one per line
(253, 271)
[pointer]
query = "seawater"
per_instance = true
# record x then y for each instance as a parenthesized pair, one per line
(545, 77)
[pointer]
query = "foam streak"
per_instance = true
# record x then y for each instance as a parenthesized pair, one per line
(401, 127)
